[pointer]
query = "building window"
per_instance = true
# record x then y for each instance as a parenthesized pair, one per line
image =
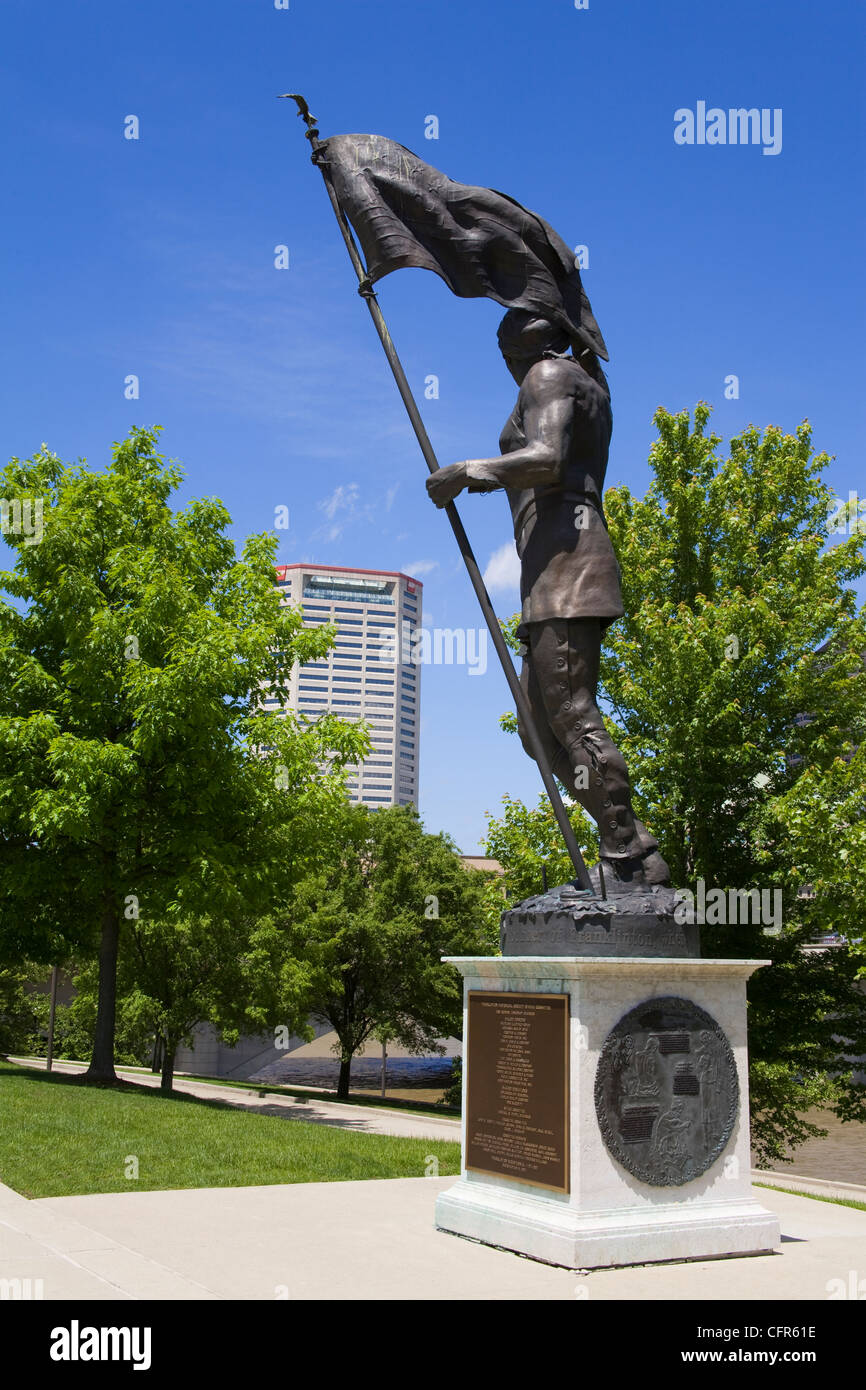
(339, 591)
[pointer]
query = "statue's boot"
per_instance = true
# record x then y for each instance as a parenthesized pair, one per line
(595, 773)
(634, 875)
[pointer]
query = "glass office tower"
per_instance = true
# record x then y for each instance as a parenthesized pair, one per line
(369, 674)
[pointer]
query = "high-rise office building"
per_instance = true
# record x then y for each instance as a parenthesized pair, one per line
(369, 674)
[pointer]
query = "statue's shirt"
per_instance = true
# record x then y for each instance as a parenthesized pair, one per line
(568, 565)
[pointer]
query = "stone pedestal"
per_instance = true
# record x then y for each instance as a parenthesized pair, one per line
(651, 1154)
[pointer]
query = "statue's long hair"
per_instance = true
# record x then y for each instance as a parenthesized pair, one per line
(586, 358)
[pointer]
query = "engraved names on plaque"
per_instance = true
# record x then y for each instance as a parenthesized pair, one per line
(517, 1087)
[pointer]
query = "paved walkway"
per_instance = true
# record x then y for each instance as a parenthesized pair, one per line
(368, 1240)
(365, 1119)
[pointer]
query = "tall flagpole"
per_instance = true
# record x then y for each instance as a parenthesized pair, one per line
(365, 289)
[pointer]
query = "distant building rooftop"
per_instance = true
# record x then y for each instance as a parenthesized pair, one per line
(346, 569)
(480, 861)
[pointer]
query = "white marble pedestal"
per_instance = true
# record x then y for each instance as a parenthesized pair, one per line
(608, 1217)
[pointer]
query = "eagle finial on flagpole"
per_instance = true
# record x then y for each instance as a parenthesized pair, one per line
(303, 111)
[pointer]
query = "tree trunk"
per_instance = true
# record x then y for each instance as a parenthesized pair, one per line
(343, 1083)
(102, 1061)
(167, 1079)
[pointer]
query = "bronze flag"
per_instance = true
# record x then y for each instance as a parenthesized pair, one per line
(482, 243)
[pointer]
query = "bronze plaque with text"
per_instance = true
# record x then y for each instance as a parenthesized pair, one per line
(517, 1087)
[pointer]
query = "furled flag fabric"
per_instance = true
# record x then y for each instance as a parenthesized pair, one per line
(482, 243)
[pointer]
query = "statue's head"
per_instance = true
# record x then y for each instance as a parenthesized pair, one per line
(524, 338)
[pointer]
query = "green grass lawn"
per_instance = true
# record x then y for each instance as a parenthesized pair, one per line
(815, 1196)
(59, 1138)
(370, 1098)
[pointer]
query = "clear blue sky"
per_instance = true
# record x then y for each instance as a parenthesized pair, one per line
(156, 257)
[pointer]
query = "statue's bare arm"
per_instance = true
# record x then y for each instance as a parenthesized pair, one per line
(547, 399)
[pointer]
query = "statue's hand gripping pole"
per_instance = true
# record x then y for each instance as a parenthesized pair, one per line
(365, 288)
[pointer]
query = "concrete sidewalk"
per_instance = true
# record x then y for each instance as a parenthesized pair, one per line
(369, 1240)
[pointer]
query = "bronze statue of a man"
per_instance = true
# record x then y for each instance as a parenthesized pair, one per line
(552, 467)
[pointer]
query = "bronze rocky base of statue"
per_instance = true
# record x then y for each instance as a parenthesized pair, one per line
(568, 921)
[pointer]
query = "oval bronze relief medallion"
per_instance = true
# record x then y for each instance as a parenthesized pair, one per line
(666, 1091)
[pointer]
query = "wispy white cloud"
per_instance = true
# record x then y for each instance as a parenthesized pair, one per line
(343, 508)
(502, 574)
(344, 498)
(416, 568)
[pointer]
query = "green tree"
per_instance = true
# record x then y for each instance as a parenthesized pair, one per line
(23, 1010)
(528, 842)
(820, 824)
(730, 590)
(176, 973)
(370, 929)
(141, 779)
(737, 693)
(76, 1021)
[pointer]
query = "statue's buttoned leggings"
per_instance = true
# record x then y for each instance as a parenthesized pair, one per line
(560, 679)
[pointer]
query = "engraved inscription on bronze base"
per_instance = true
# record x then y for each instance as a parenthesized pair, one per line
(517, 1087)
